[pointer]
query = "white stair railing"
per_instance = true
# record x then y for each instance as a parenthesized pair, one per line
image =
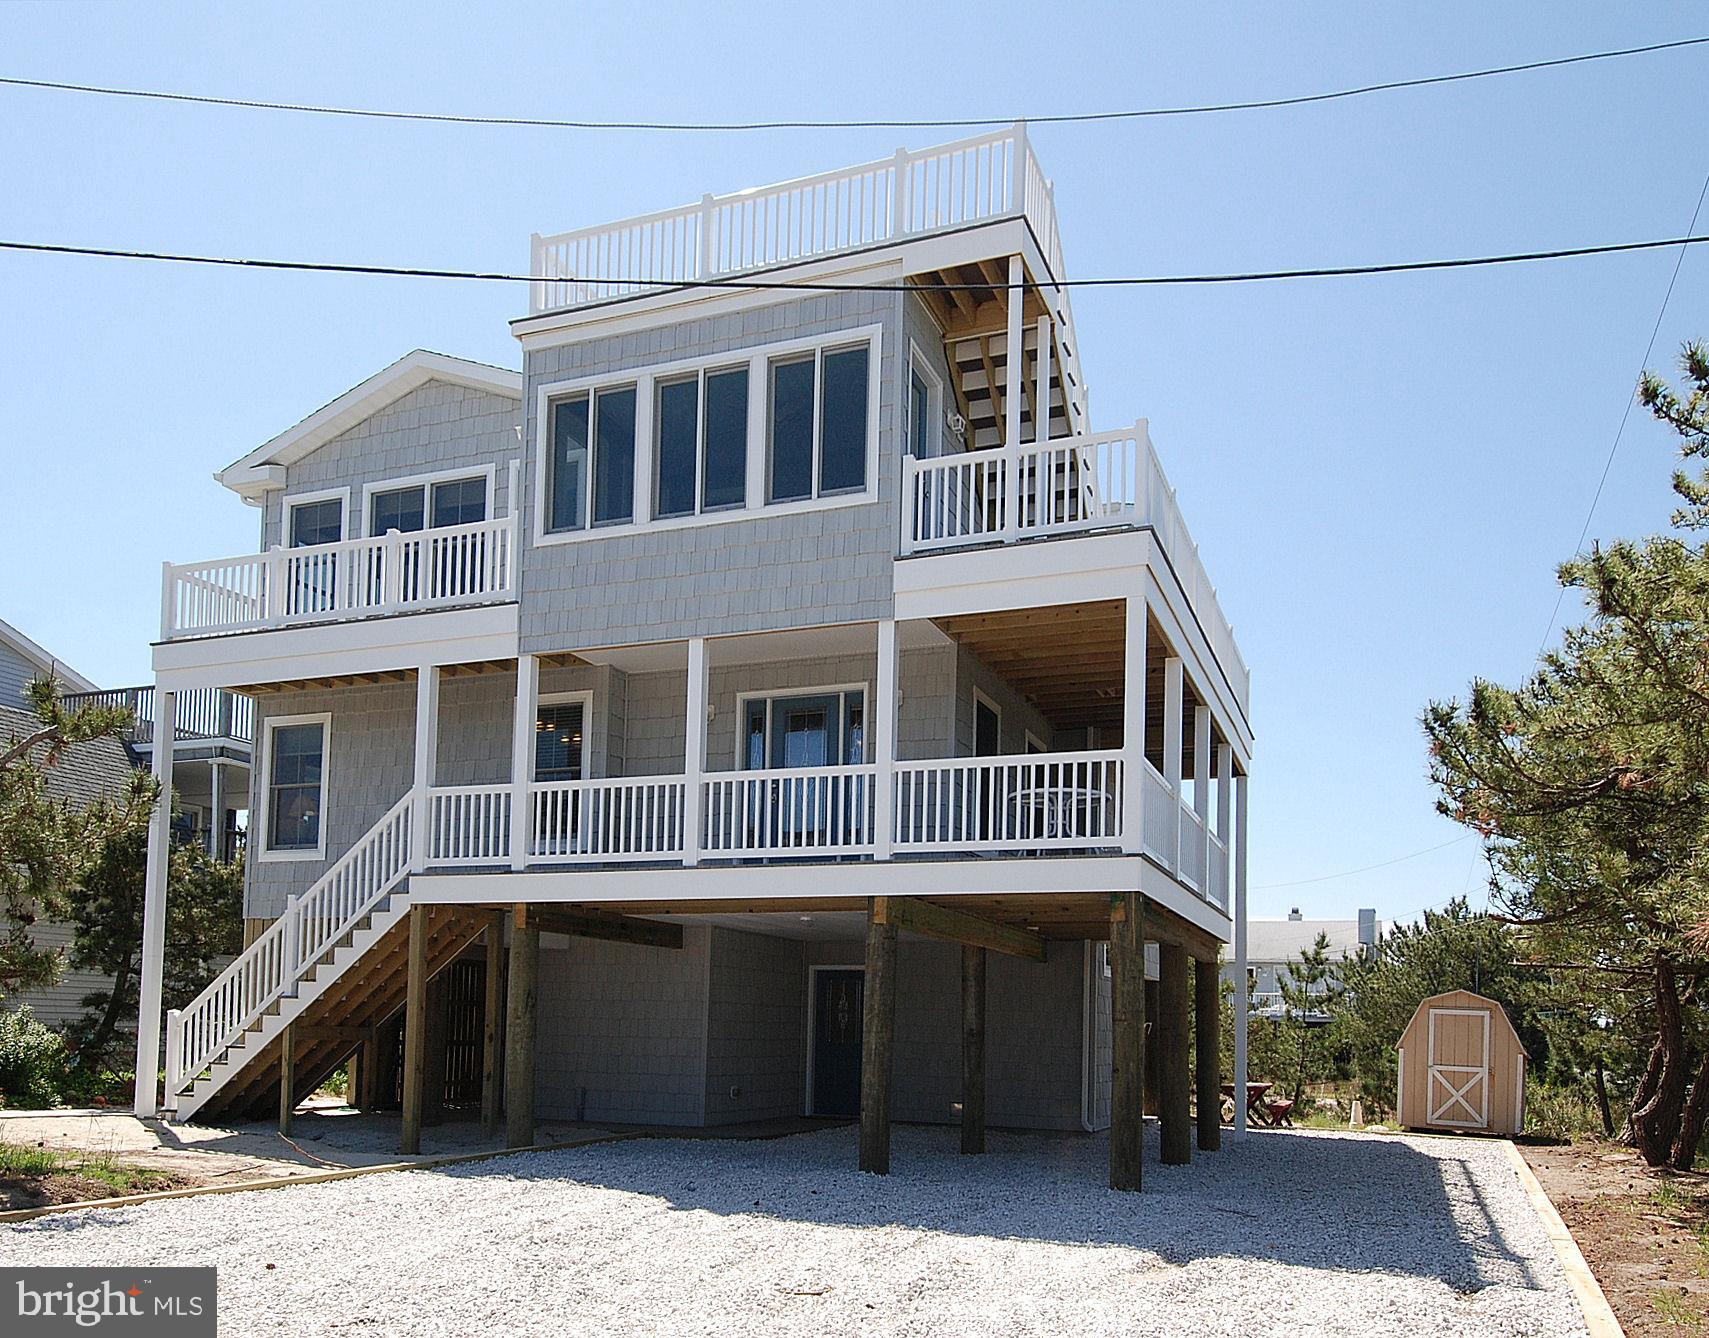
(290, 947)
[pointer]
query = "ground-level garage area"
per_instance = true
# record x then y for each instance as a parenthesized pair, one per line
(1281, 1232)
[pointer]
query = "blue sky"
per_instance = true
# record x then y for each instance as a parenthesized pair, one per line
(1381, 472)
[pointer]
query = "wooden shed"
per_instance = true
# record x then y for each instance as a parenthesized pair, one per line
(1462, 1067)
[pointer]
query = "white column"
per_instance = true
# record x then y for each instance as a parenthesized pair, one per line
(694, 750)
(1202, 790)
(522, 732)
(216, 802)
(1133, 727)
(426, 762)
(884, 717)
(154, 910)
(1173, 681)
(1014, 343)
(1041, 391)
(1239, 956)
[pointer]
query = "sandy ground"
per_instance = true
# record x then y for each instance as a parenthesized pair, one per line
(1299, 1232)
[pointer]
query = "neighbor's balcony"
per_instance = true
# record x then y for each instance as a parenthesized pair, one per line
(199, 715)
(453, 567)
(909, 195)
(1064, 486)
(941, 808)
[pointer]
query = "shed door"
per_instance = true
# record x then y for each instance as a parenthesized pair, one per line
(1457, 1085)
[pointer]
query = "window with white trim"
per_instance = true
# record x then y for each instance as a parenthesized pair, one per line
(817, 423)
(560, 739)
(592, 460)
(296, 784)
(436, 505)
(700, 449)
(316, 522)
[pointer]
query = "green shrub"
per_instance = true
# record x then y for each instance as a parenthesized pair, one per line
(1561, 1113)
(32, 1060)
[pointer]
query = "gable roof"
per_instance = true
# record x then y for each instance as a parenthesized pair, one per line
(264, 468)
(48, 664)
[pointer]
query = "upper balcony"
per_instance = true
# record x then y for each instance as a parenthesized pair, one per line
(203, 718)
(910, 195)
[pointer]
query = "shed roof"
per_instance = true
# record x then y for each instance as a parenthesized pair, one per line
(1462, 999)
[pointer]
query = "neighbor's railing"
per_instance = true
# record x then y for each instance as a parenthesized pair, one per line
(1066, 485)
(613, 820)
(389, 573)
(911, 193)
(1032, 801)
(290, 947)
(790, 811)
(197, 713)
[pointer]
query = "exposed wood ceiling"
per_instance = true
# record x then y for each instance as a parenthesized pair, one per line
(377, 677)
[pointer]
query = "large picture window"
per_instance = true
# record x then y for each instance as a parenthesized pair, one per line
(296, 786)
(817, 426)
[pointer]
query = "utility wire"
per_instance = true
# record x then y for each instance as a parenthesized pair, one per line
(1626, 414)
(1348, 873)
(816, 286)
(954, 122)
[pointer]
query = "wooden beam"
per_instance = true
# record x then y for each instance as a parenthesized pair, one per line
(492, 1070)
(287, 1077)
(415, 1032)
(997, 407)
(1172, 1088)
(320, 1031)
(922, 917)
(972, 1049)
(1127, 1009)
(878, 1034)
(1207, 1043)
(521, 1021)
(599, 924)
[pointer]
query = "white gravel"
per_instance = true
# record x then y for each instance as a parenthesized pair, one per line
(1294, 1232)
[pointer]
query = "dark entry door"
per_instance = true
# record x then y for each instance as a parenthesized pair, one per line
(837, 997)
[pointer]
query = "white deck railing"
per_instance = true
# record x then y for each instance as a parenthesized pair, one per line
(468, 824)
(909, 194)
(1035, 801)
(790, 811)
(1067, 485)
(353, 578)
(1162, 827)
(1191, 864)
(290, 947)
(607, 821)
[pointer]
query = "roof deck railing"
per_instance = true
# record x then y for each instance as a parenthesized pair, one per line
(910, 194)
(199, 714)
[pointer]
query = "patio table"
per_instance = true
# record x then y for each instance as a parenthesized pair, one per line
(1255, 1094)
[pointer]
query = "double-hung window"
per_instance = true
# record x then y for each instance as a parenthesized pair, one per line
(592, 460)
(700, 453)
(296, 786)
(817, 423)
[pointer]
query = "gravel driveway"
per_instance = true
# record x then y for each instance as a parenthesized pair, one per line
(1287, 1232)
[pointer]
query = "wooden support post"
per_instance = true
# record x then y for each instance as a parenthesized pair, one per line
(1152, 1013)
(1207, 1042)
(953, 926)
(878, 1033)
(1127, 1009)
(353, 1077)
(490, 1028)
(434, 1056)
(368, 1073)
(972, 1049)
(519, 1032)
(287, 1078)
(1172, 1094)
(415, 1031)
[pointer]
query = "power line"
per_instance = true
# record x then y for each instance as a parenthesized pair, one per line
(816, 286)
(1348, 873)
(1626, 414)
(956, 122)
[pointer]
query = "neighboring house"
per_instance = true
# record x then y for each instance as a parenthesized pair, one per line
(22, 660)
(85, 773)
(1272, 946)
(739, 633)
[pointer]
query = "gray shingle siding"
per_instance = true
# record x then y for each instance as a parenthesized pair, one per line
(788, 570)
(15, 672)
(434, 427)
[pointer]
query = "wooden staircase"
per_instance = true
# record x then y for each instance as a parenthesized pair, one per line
(359, 987)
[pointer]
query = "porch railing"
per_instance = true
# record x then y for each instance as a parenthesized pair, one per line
(910, 194)
(1066, 485)
(468, 824)
(790, 811)
(1039, 801)
(197, 714)
(608, 821)
(353, 578)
